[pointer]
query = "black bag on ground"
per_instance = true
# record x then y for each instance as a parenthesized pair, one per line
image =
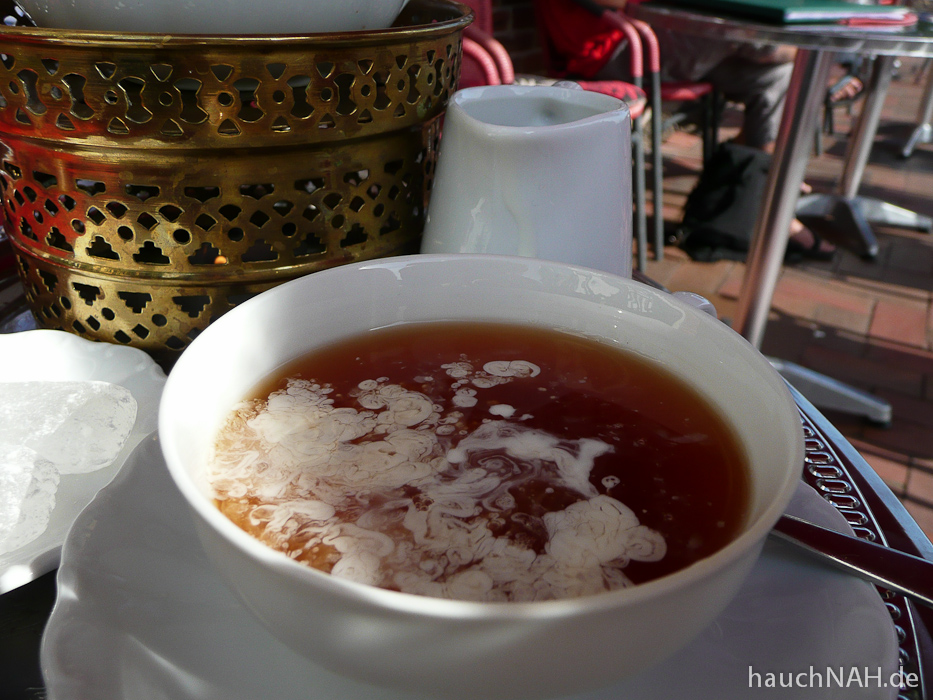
(720, 213)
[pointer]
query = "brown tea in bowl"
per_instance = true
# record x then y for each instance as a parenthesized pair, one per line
(482, 461)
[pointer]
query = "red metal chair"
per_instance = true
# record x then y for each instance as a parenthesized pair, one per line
(485, 60)
(646, 63)
(674, 91)
(478, 66)
(637, 100)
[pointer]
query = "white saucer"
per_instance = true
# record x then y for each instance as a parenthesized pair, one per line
(45, 355)
(141, 615)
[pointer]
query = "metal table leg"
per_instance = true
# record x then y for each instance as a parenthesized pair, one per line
(845, 218)
(792, 151)
(923, 133)
(829, 393)
(769, 242)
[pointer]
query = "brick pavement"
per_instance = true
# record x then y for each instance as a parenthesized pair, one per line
(866, 323)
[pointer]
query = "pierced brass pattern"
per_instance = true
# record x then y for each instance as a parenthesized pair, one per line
(212, 167)
(205, 215)
(188, 92)
(127, 310)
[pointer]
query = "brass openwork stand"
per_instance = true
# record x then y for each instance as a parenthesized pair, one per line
(151, 183)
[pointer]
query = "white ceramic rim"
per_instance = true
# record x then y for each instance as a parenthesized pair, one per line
(428, 607)
(261, 39)
(598, 102)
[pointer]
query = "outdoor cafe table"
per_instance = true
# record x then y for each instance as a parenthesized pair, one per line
(832, 466)
(817, 49)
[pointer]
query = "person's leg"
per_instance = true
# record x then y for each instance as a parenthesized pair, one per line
(683, 57)
(756, 77)
(759, 81)
(761, 88)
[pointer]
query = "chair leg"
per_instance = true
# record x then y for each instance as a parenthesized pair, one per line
(641, 215)
(657, 167)
(818, 143)
(711, 106)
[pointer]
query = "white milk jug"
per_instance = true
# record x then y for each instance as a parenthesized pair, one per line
(534, 171)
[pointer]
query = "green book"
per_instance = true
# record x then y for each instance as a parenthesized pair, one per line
(797, 11)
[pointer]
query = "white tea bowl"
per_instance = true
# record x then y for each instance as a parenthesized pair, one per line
(214, 16)
(460, 649)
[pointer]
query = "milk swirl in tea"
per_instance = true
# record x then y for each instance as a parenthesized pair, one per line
(481, 461)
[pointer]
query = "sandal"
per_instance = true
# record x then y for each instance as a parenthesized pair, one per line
(816, 249)
(847, 90)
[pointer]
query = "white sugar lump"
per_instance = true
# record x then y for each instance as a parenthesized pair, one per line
(78, 426)
(27, 496)
(48, 429)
